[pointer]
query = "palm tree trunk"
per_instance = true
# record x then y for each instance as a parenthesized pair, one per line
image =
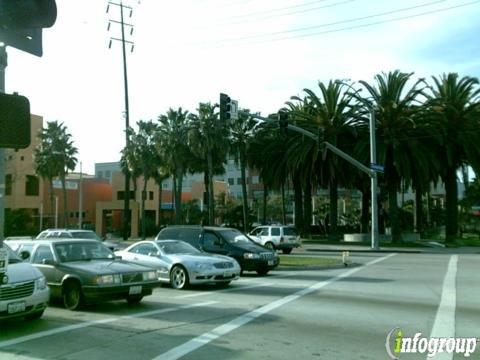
(451, 205)
(52, 210)
(211, 200)
(265, 198)
(64, 193)
(284, 212)
(297, 194)
(393, 211)
(333, 208)
(144, 196)
(206, 197)
(307, 206)
(244, 190)
(178, 196)
(160, 192)
(418, 210)
(174, 196)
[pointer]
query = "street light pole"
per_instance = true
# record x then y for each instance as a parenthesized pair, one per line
(3, 65)
(80, 198)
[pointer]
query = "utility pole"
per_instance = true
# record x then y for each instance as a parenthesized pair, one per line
(126, 203)
(3, 65)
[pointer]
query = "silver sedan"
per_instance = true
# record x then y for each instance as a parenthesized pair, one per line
(180, 264)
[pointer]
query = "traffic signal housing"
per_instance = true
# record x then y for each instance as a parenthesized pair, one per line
(27, 14)
(225, 107)
(283, 121)
(14, 121)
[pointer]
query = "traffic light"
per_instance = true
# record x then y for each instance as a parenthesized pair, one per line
(14, 121)
(225, 107)
(27, 14)
(21, 23)
(283, 121)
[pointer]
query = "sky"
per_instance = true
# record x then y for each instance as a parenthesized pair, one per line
(260, 52)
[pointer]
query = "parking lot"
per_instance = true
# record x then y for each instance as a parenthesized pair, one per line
(305, 314)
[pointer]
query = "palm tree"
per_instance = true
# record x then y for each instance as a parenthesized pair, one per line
(241, 133)
(172, 145)
(395, 107)
(455, 105)
(208, 140)
(54, 157)
(331, 114)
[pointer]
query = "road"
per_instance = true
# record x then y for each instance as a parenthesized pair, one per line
(336, 313)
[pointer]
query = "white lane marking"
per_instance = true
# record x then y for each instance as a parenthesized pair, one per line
(194, 344)
(444, 325)
(96, 322)
(237, 288)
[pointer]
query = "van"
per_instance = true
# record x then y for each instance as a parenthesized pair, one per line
(225, 241)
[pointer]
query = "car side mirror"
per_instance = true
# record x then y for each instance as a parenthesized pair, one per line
(24, 254)
(48, 262)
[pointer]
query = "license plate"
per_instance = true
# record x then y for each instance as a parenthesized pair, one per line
(227, 274)
(135, 290)
(16, 307)
(271, 262)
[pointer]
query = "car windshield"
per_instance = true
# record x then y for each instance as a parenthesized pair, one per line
(86, 235)
(235, 237)
(12, 257)
(177, 247)
(83, 252)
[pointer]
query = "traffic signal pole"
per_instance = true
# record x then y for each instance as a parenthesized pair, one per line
(371, 173)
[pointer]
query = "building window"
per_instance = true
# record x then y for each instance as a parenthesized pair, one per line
(108, 174)
(121, 195)
(100, 174)
(255, 180)
(231, 181)
(8, 184)
(32, 186)
(150, 195)
(239, 181)
(22, 158)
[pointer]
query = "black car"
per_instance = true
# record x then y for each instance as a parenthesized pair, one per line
(225, 241)
(86, 271)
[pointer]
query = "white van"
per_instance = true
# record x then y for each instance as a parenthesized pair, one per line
(23, 289)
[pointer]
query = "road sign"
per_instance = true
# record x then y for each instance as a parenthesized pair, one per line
(377, 168)
(3, 259)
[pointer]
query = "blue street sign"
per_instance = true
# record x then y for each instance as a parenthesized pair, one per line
(377, 168)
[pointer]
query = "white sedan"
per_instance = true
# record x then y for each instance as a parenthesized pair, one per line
(180, 264)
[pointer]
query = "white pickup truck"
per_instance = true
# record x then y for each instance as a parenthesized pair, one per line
(23, 288)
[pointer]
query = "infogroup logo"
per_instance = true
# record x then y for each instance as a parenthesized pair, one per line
(396, 343)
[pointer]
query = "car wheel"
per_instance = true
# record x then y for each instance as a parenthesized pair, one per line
(134, 299)
(72, 296)
(262, 272)
(35, 316)
(179, 277)
(269, 245)
(287, 251)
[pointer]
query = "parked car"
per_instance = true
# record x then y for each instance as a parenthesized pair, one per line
(180, 264)
(74, 234)
(80, 271)
(23, 291)
(279, 237)
(224, 241)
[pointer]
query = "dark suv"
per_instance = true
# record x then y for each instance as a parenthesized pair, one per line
(225, 241)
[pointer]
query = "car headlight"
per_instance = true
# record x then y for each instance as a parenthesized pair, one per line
(149, 275)
(41, 283)
(203, 266)
(251, 256)
(108, 279)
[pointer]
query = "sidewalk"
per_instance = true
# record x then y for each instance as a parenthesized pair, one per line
(312, 247)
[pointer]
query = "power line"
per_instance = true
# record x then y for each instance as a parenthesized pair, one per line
(296, 12)
(346, 21)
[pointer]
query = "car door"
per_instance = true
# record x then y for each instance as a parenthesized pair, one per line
(44, 260)
(147, 254)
